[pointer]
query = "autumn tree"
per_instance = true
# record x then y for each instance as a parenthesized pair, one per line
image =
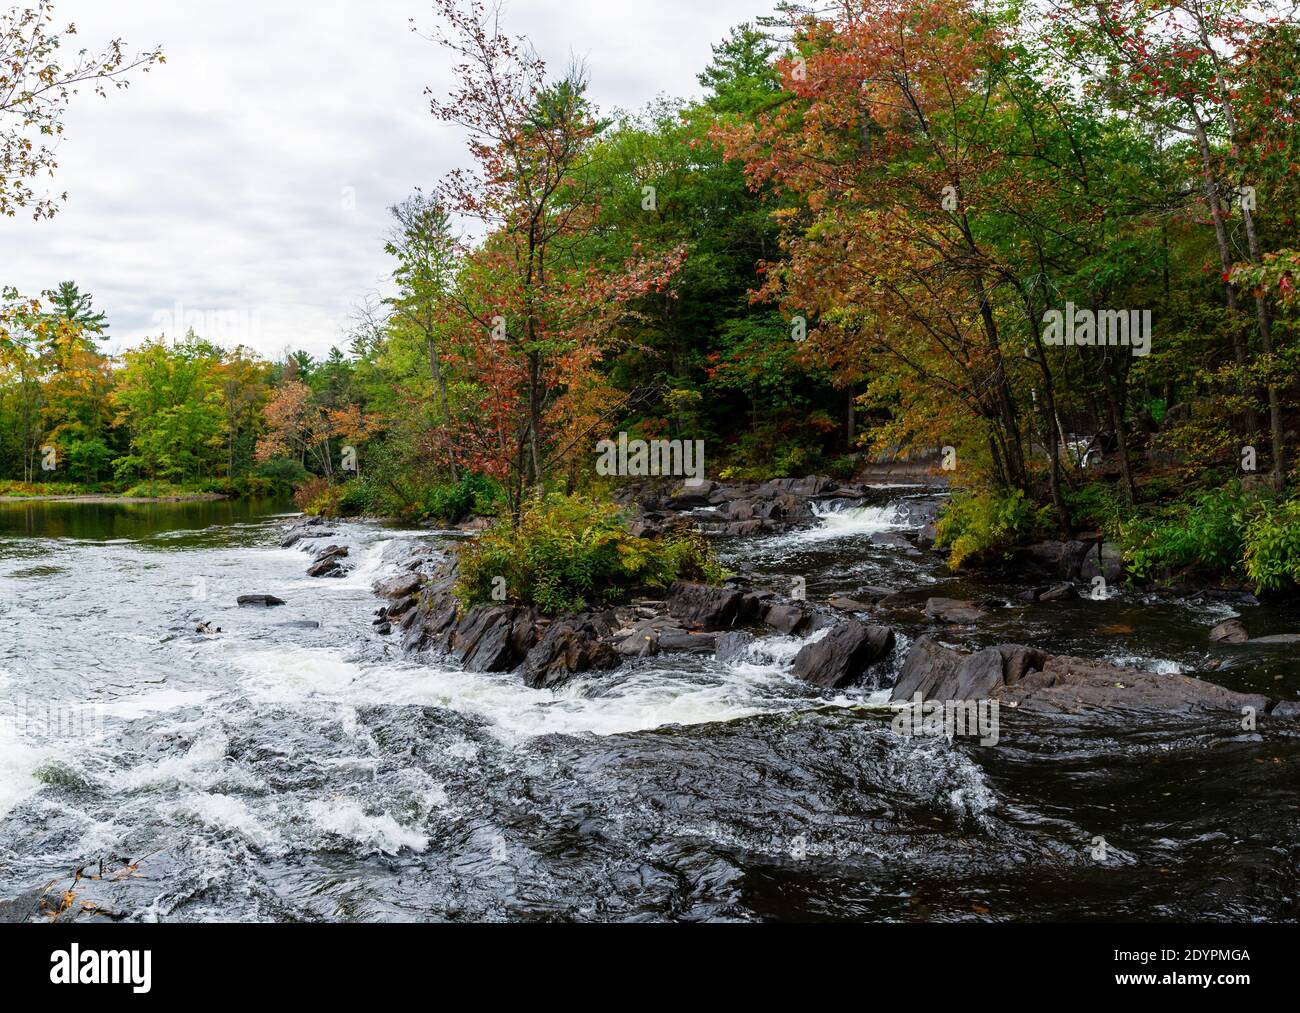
(37, 85)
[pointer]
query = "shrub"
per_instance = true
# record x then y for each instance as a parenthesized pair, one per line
(1095, 505)
(283, 472)
(570, 553)
(155, 490)
(1207, 533)
(1272, 546)
(979, 524)
(450, 503)
(319, 497)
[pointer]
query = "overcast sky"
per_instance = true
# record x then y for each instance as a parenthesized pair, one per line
(245, 183)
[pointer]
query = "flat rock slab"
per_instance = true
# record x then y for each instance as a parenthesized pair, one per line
(951, 610)
(1032, 680)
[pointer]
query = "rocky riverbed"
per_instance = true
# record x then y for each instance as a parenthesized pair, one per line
(193, 729)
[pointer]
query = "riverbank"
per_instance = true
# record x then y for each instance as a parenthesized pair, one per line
(104, 499)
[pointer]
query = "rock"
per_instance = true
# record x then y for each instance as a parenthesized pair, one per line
(940, 673)
(892, 540)
(1230, 631)
(1060, 558)
(258, 601)
(740, 529)
(688, 500)
(705, 607)
(331, 552)
(926, 537)
(493, 638)
(401, 606)
(733, 646)
(570, 645)
(954, 611)
(1286, 709)
(1105, 560)
(741, 510)
(844, 654)
(384, 629)
(1033, 680)
(328, 567)
(848, 604)
(207, 629)
(400, 586)
(693, 643)
(1053, 592)
(298, 624)
(1278, 638)
(311, 528)
(788, 618)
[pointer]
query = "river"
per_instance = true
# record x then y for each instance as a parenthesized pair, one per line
(297, 767)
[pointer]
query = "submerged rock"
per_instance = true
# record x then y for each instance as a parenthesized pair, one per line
(732, 647)
(1230, 631)
(954, 611)
(259, 601)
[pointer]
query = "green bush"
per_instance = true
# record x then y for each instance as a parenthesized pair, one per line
(979, 524)
(570, 553)
(284, 473)
(149, 490)
(1272, 546)
(1095, 505)
(451, 503)
(1207, 533)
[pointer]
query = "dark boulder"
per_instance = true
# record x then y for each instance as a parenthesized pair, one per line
(258, 601)
(493, 638)
(1062, 559)
(844, 654)
(570, 645)
(788, 618)
(688, 642)
(940, 673)
(327, 567)
(1105, 560)
(705, 607)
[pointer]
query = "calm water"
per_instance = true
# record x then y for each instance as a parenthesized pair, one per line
(297, 767)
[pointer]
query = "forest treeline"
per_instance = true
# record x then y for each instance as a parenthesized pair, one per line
(1056, 241)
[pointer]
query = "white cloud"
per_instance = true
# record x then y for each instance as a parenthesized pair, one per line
(218, 180)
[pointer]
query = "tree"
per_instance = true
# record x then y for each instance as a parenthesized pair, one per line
(36, 88)
(70, 303)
